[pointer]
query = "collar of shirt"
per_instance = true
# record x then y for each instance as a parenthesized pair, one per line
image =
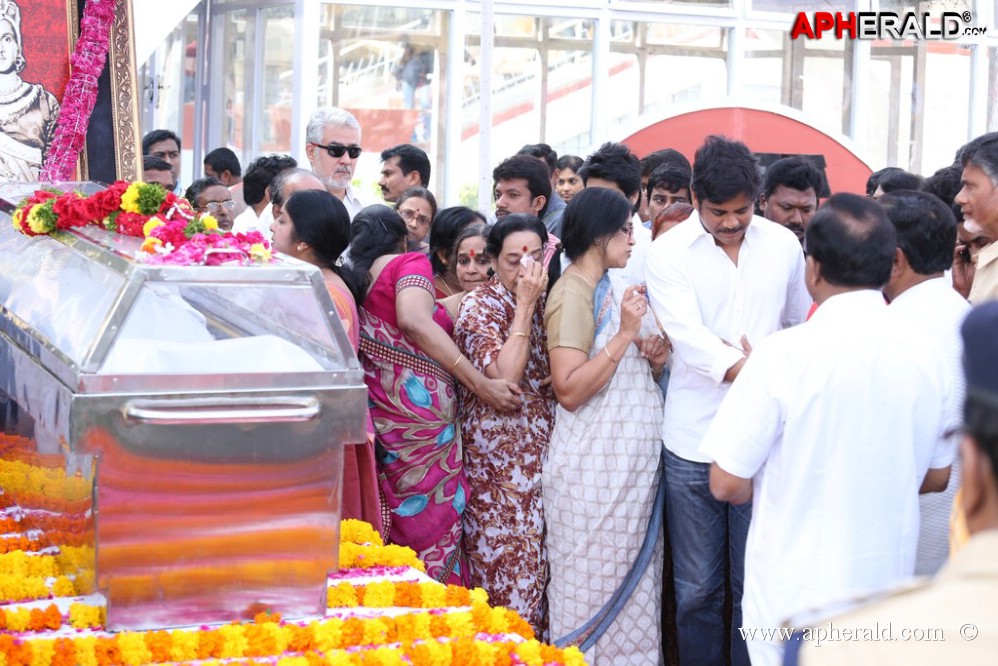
(987, 255)
(924, 289)
(863, 300)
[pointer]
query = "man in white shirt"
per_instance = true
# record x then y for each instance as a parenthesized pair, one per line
(831, 430)
(923, 298)
(614, 166)
(333, 147)
(256, 191)
(717, 281)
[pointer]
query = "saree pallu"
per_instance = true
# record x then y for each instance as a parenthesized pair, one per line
(413, 406)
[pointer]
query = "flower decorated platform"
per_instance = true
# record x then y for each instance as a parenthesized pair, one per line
(382, 608)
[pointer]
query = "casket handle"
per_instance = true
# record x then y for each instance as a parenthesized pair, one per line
(215, 410)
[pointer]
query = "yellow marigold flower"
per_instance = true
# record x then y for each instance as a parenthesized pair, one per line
(134, 651)
(150, 225)
(530, 653)
(339, 658)
(342, 595)
(38, 222)
(184, 645)
(573, 657)
(292, 661)
(18, 619)
(130, 199)
(357, 531)
(17, 217)
(434, 596)
(260, 253)
(209, 222)
(42, 652)
(83, 616)
(479, 596)
(379, 594)
(86, 652)
(63, 587)
(234, 641)
(150, 244)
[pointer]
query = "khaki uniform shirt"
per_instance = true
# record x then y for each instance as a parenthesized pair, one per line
(950, 619)
(985, 287)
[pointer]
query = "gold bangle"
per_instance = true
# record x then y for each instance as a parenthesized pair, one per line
(518, 333)
(607, 352)
(456, 361)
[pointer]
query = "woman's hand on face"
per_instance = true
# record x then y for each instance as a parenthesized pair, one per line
(500, 395)
(633, 307)
(654, 348)
(530, 287)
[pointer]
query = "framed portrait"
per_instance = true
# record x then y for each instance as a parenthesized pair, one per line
(37, 38)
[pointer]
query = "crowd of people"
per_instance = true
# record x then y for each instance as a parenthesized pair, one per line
(641, 377)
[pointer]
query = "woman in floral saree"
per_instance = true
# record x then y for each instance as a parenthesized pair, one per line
(411, 366)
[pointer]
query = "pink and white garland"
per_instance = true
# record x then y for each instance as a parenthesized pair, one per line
(86, 64)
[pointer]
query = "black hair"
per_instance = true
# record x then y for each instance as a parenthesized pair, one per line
(223, 159)
(510, 224)
(420, 193)
(797, 173)
(444, 231)
(156, 136)
(573, 162)
(153, 163)
(593, 213)
(321, 220)
(531, 170)
(853, 240)
(652, 161)
(541, 151)
(946, 183)
(982, 152)
(471, 230)
(260, 174)
(195, 189)
(893, 178)
(670, 176)
(411, 159)
(616, 163)
(723, 169)
(374, 232)
(926, 229)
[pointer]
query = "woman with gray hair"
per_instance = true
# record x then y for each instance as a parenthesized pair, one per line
(28, 112)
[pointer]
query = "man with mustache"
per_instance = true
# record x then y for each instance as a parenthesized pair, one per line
(402, 167)
(978, 201)
(717, 280)
(790, 194)
(333, 146)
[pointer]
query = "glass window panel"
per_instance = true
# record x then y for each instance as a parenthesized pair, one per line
(945, 126)
(766, 52)
(688, 3)
(808, 6)
(568, 102)
(383, 64)
(890, 86)
(992, 114)
(236, 72)
(274, 122)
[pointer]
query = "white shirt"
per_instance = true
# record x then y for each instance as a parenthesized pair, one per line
(934, 308)
(249, 221)
(701, 298)
(352, 202)
(836, 422)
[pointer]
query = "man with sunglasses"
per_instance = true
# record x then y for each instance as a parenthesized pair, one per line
(333, 147)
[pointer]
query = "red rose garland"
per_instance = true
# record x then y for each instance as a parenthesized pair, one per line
(86, 64)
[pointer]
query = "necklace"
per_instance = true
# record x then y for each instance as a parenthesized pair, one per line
(585, 275)
(443, 286)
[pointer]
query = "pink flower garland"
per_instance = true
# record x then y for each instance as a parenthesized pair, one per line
(86, 64)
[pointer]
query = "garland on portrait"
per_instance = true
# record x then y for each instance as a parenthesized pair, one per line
(86, 65)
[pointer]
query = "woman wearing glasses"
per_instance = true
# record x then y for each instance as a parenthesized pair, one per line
(315, 227)
(412, 368)
(603, 466)
(417, 207)
(210, 195)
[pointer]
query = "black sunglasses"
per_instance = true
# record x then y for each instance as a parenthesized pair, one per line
(337, 150)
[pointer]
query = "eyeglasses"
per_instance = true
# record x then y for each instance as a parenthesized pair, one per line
(337, 150)
(409, 215)
(166, 154)
(215, 206)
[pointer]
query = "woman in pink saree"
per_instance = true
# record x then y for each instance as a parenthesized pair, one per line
(412, 367)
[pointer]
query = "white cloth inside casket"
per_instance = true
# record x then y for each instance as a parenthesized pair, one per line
(165, 335)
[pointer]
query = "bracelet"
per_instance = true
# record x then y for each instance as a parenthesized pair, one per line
(518, 333)
(607, 352)
(456, 361)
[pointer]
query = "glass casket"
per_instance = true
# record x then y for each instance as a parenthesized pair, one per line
(192, 418)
